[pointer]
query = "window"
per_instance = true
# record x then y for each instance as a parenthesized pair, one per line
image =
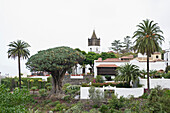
(157, 56)
(90, 49)
(96, 49)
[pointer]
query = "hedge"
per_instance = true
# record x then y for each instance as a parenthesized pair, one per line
(14, 82)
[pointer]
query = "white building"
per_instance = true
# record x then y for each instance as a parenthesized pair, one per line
(108, 66)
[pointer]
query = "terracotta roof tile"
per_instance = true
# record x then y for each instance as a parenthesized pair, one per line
(107, 65)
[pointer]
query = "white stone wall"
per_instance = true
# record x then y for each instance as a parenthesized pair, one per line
(126, 92)
(84, 92)
(164, 83)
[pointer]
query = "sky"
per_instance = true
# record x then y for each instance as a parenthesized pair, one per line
(51, 23)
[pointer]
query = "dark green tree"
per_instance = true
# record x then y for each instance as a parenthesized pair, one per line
(56, 61)
(116, 45)
(18, 49)
(127, 73)
(90, 57)
(105, 55)
(148, 40)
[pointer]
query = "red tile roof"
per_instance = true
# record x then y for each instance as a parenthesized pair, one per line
(107, 65)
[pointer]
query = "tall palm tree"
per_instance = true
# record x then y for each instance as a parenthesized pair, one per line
(127, 73)
(148, 40)
(18, 49)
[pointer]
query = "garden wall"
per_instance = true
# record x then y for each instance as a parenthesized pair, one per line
(84, 92)
(164, 83)
(86, 79)
(125, 92)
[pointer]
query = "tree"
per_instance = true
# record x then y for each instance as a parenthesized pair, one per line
(18, 49)
(116, 45)
(55, 61)
(90, 57)
(127, 44)
(127, 73)
(148, 40)
(105, 55)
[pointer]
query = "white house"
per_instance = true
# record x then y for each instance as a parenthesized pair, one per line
(108, 66)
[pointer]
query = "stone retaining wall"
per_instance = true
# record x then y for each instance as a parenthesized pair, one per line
(86, 79)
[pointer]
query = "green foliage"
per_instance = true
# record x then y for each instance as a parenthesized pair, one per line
(148, 40)
(54, 59)
(127, 73)
(65, 86)
(76, 108)
(47, 85)
(108, 77)
(105, 55)
(43, 92)
(72, 90)
(96, 95)
(104, 108)
(13, 82)
(18, 49)
(167, 68)
(153, 104)
(16, 101)
(116, 45)
(99, 79)
(115, 103)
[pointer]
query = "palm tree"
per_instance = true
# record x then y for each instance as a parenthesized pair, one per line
(127, 73)
(18, 49)
(148, 40)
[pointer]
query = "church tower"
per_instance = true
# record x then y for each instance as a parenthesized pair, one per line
(94, 43)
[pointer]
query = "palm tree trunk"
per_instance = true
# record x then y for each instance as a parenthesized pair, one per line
(19, 69)
(148, 84)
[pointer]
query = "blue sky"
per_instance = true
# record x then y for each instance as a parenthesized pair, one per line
(50, 23)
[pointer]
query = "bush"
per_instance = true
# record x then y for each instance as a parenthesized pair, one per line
(124, 85)
(108, 77)
(104, 108)
(96, 95)
(16, 101)
(60, 107)
(85, 85)
(43, 92)
(99, 78)
(76, 108)
(115, 103)
(47, 85)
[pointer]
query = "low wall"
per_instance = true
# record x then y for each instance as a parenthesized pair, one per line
(77, 81)
(164, 83)
(125, 92)
(84, 92)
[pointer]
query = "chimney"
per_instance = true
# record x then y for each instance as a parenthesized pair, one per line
(99, 59)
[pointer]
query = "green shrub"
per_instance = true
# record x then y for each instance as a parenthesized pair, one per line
(85, 85)
(60, 107)
(123, 85)
(43, 92)
(108, 77)
(115, 103)
(104, 108)
(67, 98)
(16, 101)
(76, 108)
(99, 78)
(96, 95)
(33, 89)
(47, 85)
